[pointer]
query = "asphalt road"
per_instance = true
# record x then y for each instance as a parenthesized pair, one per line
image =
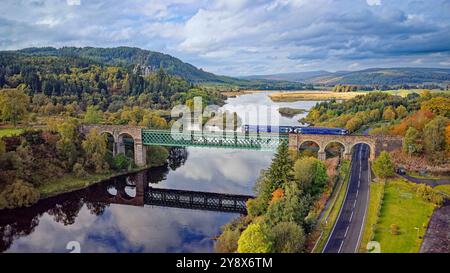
(348, 228)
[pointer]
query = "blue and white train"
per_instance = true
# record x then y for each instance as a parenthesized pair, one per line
(294, 129)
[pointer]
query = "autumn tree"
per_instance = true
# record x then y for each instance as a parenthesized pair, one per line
(383, 166)
(19, 194)
(93, 115)
(254, 239)
(66, 145)
(389, 113)
(13, 105)
(438, 105)
(95, 147)
(401, 111)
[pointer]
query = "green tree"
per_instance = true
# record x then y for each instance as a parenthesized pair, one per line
(401, 111)
(280, 170)
(254, 240)
(434, 136)
(13, 105)
(287, 237)
(2, 147)
(66, 145)
(383, 166)
(121, 162)
(411, 142)
(96, 148)
(93, 115)
(311, 175)
(157, 156)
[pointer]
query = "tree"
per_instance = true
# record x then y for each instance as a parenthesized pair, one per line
(383, 166)
(389, 113)
(13, 105)
(438, 105)
(66, 145)
(95, 146)
(311, 175)
(93, 115)
(19, 194)
(287, 237)
(401, 111)
(157, 156)
(280, 170)
(121, 162)
(434, 136)
(412, 141)
(254, 240)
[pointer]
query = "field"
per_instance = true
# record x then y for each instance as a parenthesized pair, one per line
(403, 208)
(312, 95)
(5, 132)
(443, 188)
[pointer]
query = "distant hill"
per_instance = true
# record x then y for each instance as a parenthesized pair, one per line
(133, 57)
(384, 76)
(294, 77)
(145, 61)
(372, 76)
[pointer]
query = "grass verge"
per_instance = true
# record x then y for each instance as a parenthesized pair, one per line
(443, 188)
(376, 194)
(331, 213)
(403, 208)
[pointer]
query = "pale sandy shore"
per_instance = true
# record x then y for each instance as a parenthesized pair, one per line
(312, 95)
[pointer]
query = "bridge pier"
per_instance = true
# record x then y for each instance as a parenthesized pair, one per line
(321, 155)
(347, 156)
(140, 154)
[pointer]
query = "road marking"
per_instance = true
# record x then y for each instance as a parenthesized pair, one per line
(340, 247)
(365, 209)
(345, 235)
(357, 191)
(340, 211)
(351, 217)
(354, 204)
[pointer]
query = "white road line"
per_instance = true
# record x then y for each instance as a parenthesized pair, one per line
(357, 191)
(354, 204)
(340, 247)
(351, 217)
(345, 235)
(365, 209)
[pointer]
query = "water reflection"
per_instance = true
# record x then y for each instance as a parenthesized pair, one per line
(112, 216)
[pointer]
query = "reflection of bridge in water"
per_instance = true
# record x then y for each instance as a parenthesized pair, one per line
(136, 191)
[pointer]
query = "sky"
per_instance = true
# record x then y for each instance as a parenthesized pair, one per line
(240, 37)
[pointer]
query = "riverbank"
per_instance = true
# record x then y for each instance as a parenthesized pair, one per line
(312, 95)
(70, 182)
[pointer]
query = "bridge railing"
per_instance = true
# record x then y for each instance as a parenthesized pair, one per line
(261, 141)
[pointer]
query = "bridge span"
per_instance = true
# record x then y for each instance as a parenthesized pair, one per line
(262, 141)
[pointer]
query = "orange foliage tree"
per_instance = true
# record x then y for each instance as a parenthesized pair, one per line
(277, 195)
(416, 120)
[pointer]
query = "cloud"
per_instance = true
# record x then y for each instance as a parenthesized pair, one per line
(241, 37)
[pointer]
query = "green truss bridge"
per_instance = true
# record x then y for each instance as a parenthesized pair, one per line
(143, 137)
(233, 140)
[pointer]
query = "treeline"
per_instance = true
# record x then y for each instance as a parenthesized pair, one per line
(67, 80)
(279, 219)
(344, 88)
(37, 157)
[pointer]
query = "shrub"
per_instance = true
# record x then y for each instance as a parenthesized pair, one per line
(395, 229)
(428, 194)
(287, 237)
(121, 162)
(227, 241)
(78, 170)
(19, 194)
(256, 207)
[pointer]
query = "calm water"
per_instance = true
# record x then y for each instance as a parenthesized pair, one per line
(101, 222)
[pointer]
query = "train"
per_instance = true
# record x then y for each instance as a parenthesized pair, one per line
(293, 129)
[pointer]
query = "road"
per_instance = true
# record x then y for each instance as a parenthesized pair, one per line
(347, 230)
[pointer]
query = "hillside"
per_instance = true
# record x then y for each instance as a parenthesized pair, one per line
(385, 76)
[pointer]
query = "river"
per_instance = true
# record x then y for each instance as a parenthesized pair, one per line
(89, 218)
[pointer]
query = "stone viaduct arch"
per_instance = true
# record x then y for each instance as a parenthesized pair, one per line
(376, 143)
(118, 132)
